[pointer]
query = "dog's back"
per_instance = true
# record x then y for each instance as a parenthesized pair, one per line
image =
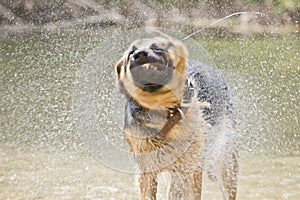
(220, 150)
(210, 88)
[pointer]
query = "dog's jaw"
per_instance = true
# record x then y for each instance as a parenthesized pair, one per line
(168, 96)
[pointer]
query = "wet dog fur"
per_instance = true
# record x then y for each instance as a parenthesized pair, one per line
(156, 77)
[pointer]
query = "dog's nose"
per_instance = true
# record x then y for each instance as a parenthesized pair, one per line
(141, 57)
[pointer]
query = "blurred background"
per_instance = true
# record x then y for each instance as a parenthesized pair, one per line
(31, 15)
(57, 61)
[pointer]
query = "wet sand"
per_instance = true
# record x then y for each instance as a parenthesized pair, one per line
(30, 173)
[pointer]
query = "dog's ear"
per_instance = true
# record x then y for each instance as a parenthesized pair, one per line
(118, 68)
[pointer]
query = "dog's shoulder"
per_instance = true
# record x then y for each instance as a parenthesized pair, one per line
(206, 77)
(210, 87)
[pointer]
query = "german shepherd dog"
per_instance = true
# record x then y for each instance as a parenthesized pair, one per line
(178, 119)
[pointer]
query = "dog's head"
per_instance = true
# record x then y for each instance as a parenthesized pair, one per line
(151, 68)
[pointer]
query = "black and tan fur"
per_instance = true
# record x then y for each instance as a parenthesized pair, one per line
(156, 77)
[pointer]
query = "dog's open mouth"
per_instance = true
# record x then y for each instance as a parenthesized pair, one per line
(150, 71)
(151, 76)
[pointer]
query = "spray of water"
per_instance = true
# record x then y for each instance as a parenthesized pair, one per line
(37, 80)
(218, 21)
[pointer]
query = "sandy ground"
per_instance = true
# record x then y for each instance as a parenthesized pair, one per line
(29, 173)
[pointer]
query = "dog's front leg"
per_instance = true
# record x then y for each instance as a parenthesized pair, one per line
(148, 186)
(185, 186)
(175, 187)
(196, 184)
(182, 186)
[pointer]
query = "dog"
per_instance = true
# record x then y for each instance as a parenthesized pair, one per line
(178, 119)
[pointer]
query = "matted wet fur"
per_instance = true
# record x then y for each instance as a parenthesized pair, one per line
(178, 119)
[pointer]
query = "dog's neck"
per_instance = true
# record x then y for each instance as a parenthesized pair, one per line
(173, 115)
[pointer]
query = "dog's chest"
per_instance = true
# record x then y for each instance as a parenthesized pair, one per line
(142, 128)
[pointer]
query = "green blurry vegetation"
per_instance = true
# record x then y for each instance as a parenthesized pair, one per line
(278, 6)
(45, 11)
(38, 75)
(264, 75)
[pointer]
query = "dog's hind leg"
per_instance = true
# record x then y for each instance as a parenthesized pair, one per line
(148, 186)
(229, 177)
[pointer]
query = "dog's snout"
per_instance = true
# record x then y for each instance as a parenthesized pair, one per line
(140, 56)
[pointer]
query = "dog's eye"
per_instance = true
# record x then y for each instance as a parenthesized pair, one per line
(158, 50)
(133, 48)
(131, 52)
